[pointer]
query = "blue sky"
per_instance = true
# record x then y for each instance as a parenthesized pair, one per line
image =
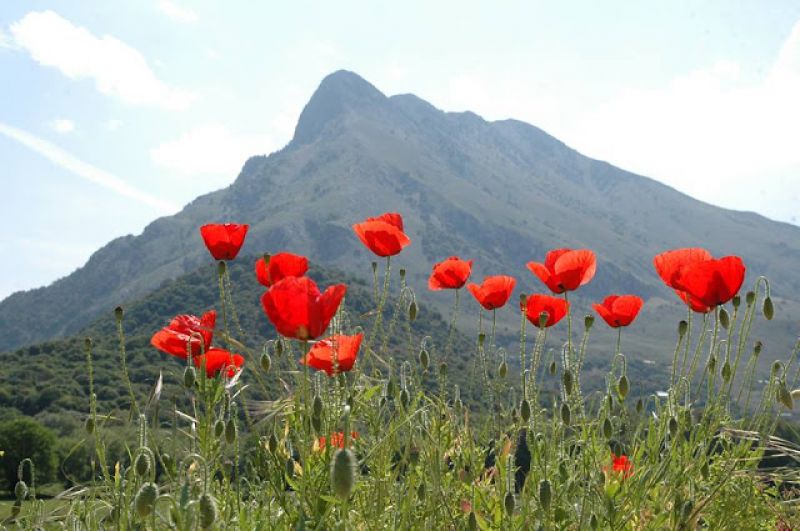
(116, 113)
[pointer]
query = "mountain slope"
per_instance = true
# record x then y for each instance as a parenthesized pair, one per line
(500, 192)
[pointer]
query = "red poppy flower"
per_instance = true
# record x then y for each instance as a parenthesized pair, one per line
(383, 235)
(224, 240)
(565, 269)
(217, 360)
(619, 310)
(712, 282)
(183, 330)
(450, 274)
(555, 308)
(320, 356)
(494, 292)
(621, 465)
(298, 310)
(280, 266)
(336, 440)
(669, 265)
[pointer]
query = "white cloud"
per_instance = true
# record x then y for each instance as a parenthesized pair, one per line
(176, 12)
(5, 40)
(116, 68)
(210, 149)
(74, 165)
(114, 124)
(62, 125)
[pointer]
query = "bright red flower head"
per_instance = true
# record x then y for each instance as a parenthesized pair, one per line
(712, 282)
(336, 440)
(224, 240)
(621, 465)
(494, 292)
(183, 330)
(565, 269)
(619, 310)
(669, 265)
(280, 266)
(555, 308)
(321, 355)
(450, 274)
(383, 235)
(298, 310)
(217, 360)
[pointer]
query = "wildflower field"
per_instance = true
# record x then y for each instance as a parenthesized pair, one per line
(344, 432)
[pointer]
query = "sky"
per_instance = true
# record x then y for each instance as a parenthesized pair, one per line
(113, 114)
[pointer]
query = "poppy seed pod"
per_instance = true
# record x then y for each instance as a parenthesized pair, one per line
(750, 297)
(421, 491)
(343, 472)
(145, 499)
(119, 313)
(208, 511)
(724, 318)
(189, 377)
(230, 431)
(623, 386)
(545, 494)
(736, 301)
(481, 338)
(683, 326)
(266, 361)
(142, 464)
(21, 490)
(221, 267)
(87, 343)
(768, 309)
(402, 273)
(508, 503)
(588, 322)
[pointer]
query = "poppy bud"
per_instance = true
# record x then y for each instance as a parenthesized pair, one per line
(390, 387)
(776, 367)
(412, 311)
(374, 267)
(639, 405)
(704, 471)
(481, 338)
(565, 414)
(21, 490)
(87, 343)
(316, 405)
(230, 431)
(421, 491)
(316, 423)
(593, 523)
(142, 465)
(562, 471)
(208, 511)
(221, 267)
(279, 347)
(343, 472)
(525, 410)
(609, 401)
(523, 299)
(266, 361)
(724, 318)
(768, 309)
(118, 313)
(757, 348)
(272, 443)
(784, 396)
(566, 379)
(712, 363)
(508, 503)
(443, 369)
(736, 301)
(502, 370)
(545, 494)
(588, 322)
(607, 428)
(472, 521)
(424, 359)
(402, 273)
(145, 499)
(189, 377)
(623, 386)
(683, 327)
(750, 297)
(405, 399)
(673, 426)
(726, 371)
(219, 428)
(89, 426)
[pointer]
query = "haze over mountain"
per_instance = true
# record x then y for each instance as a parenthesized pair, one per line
(502, 193)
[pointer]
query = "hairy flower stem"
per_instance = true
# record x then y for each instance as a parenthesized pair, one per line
(448, 348)
(675, 359)
(221, 268)
(378, 322)
(124, 363)
(484, 364)
(569, 325)
(700, 341)
(688, 339)
(522, 355)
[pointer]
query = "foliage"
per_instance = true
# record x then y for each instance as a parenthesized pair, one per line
(24, 438)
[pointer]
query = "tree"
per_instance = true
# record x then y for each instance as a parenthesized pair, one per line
(23, 438)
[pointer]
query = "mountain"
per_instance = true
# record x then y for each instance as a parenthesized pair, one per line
(501, 192)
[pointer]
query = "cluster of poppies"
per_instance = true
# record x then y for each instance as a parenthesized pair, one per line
(298, 309)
